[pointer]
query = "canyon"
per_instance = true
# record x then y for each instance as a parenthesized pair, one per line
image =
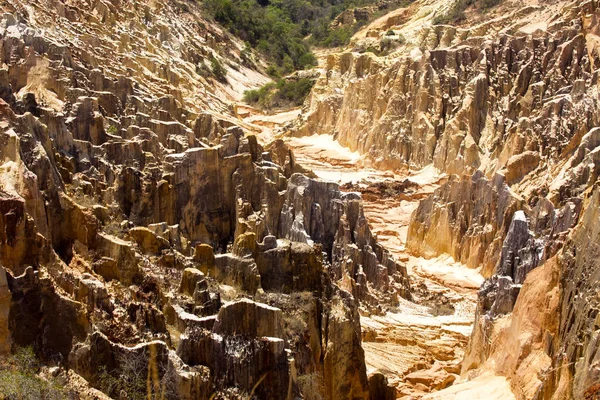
(424, 226)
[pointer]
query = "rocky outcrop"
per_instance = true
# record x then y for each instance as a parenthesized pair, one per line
(344, 373)
(150, 368)
(245, 349)
(528, 332)
(151, 243)
(531, 240)
(575, 353)
(467, 218)
(460, 98)
(189, 281)
(290, 267)
(379, 389)
(245, 317)
(521, 346)
(484, 108)
(41, 317)
(345, 236)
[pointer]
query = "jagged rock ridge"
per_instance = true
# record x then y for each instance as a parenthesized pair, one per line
(145, 232)
(507, 108)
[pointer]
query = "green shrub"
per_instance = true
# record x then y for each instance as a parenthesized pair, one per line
(247, 57)
(203, 70)
(219, 72)
(389, 43)
(273, 71)
(307, 60)
(112, 130)
(284, 93)
(19, 379)
(265, 27)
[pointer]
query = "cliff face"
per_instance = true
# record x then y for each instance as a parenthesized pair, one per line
(149, 244)
(507, 108)
(146, 234)
(487, 97)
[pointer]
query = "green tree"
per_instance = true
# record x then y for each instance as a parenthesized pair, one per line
(279, 29)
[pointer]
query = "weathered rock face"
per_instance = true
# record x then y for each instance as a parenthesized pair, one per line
(5, 300)
(318, 211)
(246, 348)
(521, 345)
(533, 237)
(466, 218)
(508, 109)
(575, 361)
(245, 317)
(136, 210)
(344, 369)
(379, 389)
(145, 232)
(291, 267)
(149, 365)
(514, 249)
(42, 317)
(461, 99)
(541, 334)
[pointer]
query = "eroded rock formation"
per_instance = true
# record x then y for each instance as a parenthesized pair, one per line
(521, 215)
(151, 243)
(507, 108)
(146, 233)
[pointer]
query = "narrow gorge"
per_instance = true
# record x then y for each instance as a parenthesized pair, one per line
(424, 226)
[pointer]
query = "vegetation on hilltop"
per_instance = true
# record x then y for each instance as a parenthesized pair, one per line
(283, 30)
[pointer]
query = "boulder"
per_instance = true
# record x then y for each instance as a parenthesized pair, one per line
(435, 378)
